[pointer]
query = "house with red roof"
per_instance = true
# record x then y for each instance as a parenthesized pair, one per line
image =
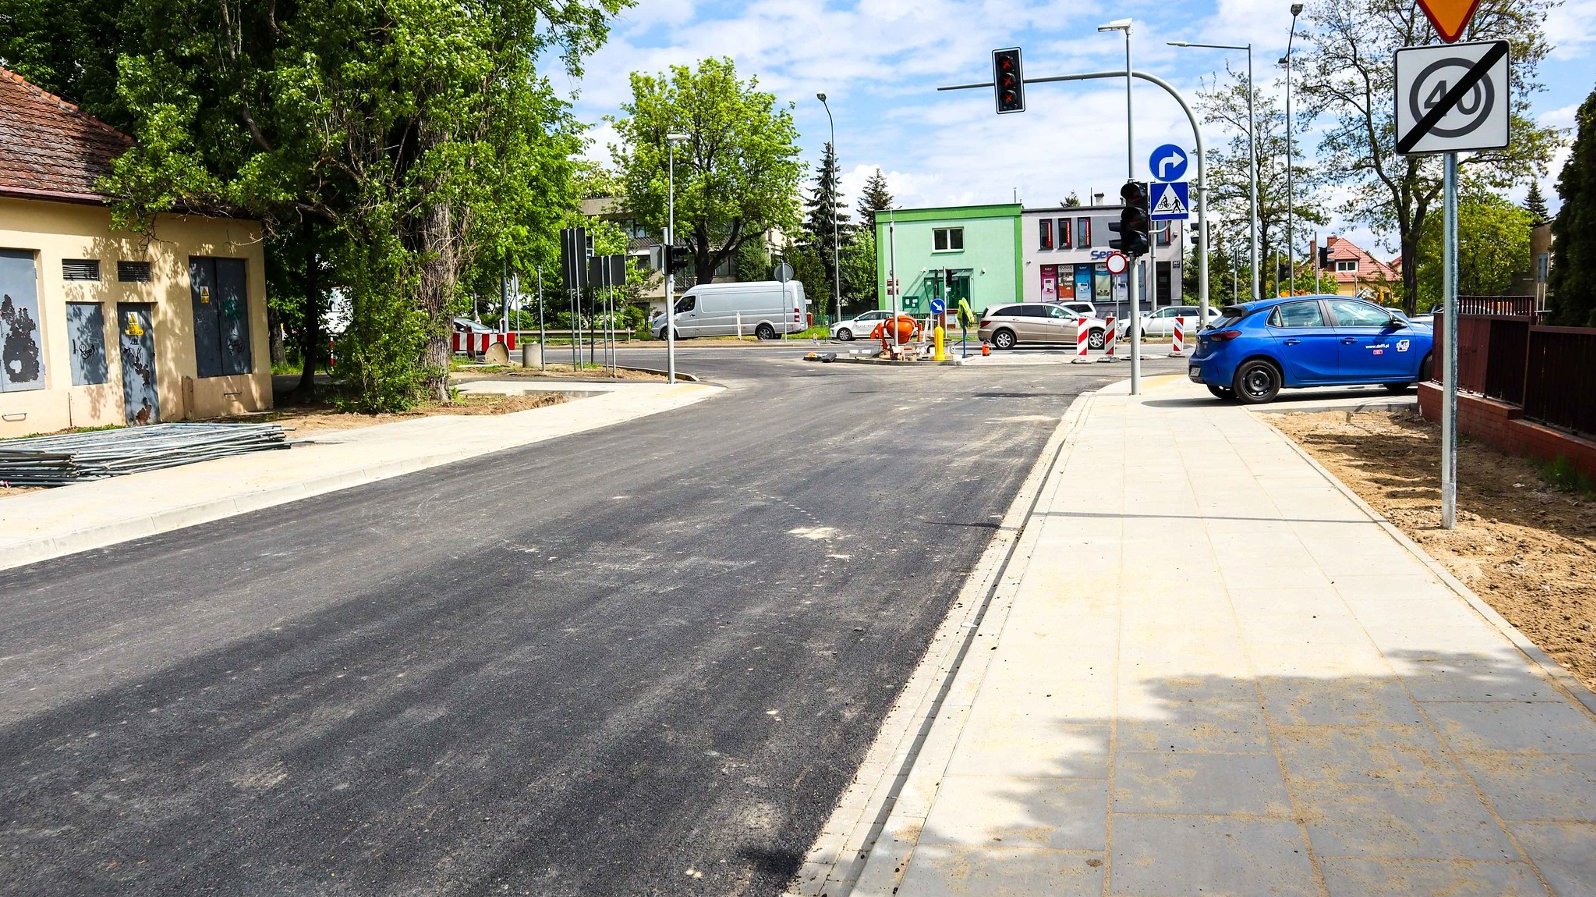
(99, 326)
(1348, 269)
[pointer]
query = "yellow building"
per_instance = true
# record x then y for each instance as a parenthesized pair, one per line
(104, 327)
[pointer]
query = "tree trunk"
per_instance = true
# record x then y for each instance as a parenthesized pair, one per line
(439, 270)
(1409, 241)
(279, 348)
(310, 353)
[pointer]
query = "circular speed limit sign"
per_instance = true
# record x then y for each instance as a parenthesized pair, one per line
(1116, 262)
(1468, 113)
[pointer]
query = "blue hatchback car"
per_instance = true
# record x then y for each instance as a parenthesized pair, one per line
(1258, 348)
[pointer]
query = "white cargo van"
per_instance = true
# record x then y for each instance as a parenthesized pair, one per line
(764, 308)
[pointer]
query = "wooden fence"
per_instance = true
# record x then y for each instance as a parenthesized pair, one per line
(1550, 372)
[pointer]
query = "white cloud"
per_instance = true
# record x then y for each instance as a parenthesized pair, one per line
(1570, 29)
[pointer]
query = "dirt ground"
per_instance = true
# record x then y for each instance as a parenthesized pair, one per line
(555, 372)
(1526, 548)
(304, 420)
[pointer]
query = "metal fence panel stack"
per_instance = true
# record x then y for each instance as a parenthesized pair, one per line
(75, 457)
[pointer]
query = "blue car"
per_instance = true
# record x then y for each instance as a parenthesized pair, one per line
(1258, 348)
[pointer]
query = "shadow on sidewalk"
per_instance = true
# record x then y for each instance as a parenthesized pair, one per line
(1459, 773)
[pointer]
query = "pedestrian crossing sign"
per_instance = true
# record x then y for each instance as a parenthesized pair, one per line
(1171, 201)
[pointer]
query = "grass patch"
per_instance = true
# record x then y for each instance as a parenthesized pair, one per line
(1562, 475)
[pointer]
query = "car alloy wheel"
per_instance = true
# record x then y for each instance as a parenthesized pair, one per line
(1003, 339)
(845, 335)
(1096, 339)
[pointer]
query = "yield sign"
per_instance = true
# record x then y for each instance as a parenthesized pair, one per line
(1449, 17)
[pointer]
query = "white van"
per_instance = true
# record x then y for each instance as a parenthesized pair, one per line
(764, 308)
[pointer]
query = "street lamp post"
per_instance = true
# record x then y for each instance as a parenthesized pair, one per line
(1291, 214)
(1124, 25)
(670, 241)
(836, 252)
(1252, 152)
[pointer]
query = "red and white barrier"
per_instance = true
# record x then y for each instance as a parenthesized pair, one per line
(1110, 337)
(1177, 349)
(1083, 340)
(477, 343)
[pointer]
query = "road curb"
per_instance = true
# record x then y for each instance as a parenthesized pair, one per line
(19, 553)
(1554, 670)
(866, 843)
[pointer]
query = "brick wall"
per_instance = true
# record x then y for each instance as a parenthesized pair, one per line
(1502, 426)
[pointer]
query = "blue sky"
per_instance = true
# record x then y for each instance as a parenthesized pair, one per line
(880, 62)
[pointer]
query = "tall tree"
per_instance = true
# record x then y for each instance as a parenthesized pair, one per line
(1535, 204)
(736, 173)
(1073, 201)
(1230, 179)
(1493, 246)
(1346, 76)
(1573, 279)
(875, 197)
(826, 225)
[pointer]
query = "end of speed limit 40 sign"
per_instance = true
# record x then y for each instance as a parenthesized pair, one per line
(1452, 98)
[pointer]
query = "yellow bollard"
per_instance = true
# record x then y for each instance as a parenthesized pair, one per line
(938, 335)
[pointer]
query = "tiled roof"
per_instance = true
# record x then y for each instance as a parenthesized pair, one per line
(48, 147)
(1369, 267)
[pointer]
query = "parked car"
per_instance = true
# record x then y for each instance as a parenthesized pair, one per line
(1258, 348)
(1077, 307)
(1162, 321)
(765, 308)
(1006, 326)
(859, 326)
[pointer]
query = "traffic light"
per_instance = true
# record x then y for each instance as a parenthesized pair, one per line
(678, 258)
(947, 277)
(1008, 81)
(1134, 222)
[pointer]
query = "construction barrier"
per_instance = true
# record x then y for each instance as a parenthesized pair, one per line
(1083, 339)
(1177, 349)
(477, 343)
(1110, 337)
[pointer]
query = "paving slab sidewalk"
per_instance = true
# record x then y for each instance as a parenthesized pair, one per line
(51, 523)
(1219, 674)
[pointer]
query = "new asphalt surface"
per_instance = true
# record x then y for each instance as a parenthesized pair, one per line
(640, 660)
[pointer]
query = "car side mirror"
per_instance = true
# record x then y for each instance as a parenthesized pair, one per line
(1396, 324)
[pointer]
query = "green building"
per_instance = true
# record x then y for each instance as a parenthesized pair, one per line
(978, 245)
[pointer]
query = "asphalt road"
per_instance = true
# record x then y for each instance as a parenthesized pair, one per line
(640, 660)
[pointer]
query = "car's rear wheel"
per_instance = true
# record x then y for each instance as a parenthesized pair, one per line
(1427, 368)
(1256, 382)
(845, 335)
(1003, 339)
(765, 331)
(1095, 339)
(1222, 392)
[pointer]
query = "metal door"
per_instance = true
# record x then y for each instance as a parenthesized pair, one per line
(21, 348)
(140, 400)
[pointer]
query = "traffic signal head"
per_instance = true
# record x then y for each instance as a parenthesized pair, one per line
(1135, 222)
(678, 258)
(947, 277)
(1008, 80)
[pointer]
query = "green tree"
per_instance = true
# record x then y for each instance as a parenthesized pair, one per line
(1346, 75)
(875, 197)
(826, 225)
(1535, 204)
(1573, 279)
(1493, 247)
(1230, 180)
(736, 173)
(1073, 201)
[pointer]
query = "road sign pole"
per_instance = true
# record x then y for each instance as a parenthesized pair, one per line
(1449, 362)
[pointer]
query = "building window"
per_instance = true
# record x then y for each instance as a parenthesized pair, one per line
(133, 272)
(947, 239)
(1344, 266)
(86, 343)
(1045, 233)
(1083, 233)
(1063, 233)
(1166, 234)
(80, 269)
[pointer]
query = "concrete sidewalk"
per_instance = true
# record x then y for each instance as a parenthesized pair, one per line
(51, 523)
(1219, 674)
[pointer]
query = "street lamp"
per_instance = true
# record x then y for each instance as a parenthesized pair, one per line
(1252, 150)
(670, 242)
(836, 252)
(1291, 248)
(1124, 25)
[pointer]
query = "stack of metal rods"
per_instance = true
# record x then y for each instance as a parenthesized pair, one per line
(75, 457)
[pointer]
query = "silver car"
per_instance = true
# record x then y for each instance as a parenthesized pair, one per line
(1006, 326)
(1162, 321)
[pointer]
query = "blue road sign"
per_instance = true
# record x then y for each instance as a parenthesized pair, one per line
(1168, 163)
(1171, 202)
(938, 306)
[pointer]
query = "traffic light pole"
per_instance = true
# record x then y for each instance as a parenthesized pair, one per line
(1202, 176)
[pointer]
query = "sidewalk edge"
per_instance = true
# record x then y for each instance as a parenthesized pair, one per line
(859, 843)
(1575, 688)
